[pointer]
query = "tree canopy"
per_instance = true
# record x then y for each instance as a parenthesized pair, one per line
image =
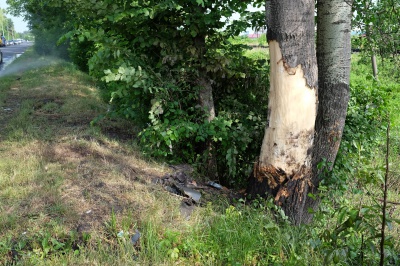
(7, 25)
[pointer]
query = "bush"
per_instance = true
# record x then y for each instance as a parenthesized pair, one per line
(177, 129)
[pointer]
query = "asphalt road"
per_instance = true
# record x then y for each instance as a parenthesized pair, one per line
(13, 51)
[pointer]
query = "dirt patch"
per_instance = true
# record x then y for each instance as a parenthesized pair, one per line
(99, 179)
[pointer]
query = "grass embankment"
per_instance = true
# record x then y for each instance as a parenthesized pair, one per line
(67, 189)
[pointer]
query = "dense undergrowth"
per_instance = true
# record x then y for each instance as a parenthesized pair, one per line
(352, 206)
(73, 194)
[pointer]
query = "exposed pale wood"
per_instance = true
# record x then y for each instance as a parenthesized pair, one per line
(292, 111)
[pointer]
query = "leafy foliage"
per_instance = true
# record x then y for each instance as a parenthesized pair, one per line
(176, 129)
(378, 23)
(152, 57)
(347, 228)
(152, 68)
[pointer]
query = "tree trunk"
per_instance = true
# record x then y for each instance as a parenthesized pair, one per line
(206, 101)
(284, 169)
(333, 56)
(373, 57)
(374, 65)
(206, 97)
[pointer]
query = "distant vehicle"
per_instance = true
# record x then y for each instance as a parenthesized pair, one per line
(1, 57)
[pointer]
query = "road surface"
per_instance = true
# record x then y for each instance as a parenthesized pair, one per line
(13, 51)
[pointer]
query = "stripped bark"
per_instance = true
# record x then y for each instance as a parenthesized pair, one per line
(206, 97)
(284, 167)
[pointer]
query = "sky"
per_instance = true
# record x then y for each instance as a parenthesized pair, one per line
(19, 24)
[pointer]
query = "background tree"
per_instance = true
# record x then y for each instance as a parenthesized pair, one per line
(378, 23)
(48, 21)
(7, 25)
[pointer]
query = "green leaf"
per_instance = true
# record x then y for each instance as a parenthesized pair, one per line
(312, 196)
(200, 2)
(341, 215)
(353, 215)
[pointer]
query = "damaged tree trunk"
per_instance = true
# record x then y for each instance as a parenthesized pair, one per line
(284, 168)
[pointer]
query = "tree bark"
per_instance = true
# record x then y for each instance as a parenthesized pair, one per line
(333, 56)
(206, 97)
(284, 169)
(374, 65)
(206, 101)
(368, 29)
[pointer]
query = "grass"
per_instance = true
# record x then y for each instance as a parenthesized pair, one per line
(73, 194)
(387, 83)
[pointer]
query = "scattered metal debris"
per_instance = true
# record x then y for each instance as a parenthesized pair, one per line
(214, 185)
(135, 238)
(121, 233)
(191, 193)
(180, 183)
(183, 191)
